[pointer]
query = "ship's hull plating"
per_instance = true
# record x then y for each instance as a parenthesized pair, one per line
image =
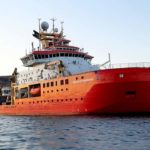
(100, 92)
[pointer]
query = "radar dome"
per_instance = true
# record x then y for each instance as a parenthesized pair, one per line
(44, 25)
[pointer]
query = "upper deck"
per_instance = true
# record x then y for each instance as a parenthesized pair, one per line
(52, 45)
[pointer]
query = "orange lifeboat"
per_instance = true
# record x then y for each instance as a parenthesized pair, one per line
(35, 91)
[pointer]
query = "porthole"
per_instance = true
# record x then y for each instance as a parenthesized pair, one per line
(82, 77)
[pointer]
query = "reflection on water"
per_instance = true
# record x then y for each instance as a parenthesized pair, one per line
(74, 133)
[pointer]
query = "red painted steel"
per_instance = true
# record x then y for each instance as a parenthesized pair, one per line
(125, 90)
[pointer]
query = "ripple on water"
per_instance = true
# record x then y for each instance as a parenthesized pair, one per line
(74, 133)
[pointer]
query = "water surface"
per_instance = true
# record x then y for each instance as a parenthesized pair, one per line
(74, 133)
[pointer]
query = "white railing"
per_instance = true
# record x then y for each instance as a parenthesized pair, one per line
(125, 65)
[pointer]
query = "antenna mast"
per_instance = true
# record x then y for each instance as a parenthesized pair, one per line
(39, 21)
(62, 28)
(53, 19)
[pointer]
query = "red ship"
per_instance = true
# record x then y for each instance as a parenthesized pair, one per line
(61, 80)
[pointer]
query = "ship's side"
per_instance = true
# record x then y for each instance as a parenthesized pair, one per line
(107, 91)
(61, 80)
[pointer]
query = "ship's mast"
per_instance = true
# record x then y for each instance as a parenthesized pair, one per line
(53, 19)
(62, 28)
(39, 20)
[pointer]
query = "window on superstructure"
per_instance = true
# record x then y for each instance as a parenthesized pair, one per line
(66, 81)
(54, 55)
(39, 56)
(56, 83)
(36, 57)
(43, 85)
(61, 82)
(62, 54)
(50, 55)
(43, 56)
(70, 55)
(57, 54)
(48, 84)
(66, 54)
(46, 56)
(52, 83)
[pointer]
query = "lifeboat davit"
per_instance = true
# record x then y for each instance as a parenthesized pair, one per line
(35, 91)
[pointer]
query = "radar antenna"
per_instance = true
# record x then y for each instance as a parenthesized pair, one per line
(53, 19)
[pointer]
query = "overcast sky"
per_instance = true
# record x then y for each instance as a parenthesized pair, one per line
(121, 27)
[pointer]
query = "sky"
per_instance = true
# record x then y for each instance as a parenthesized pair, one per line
(118, 27)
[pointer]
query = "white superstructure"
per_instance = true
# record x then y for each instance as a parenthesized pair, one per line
(63, 59)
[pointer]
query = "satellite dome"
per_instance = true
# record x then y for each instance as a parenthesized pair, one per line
(44, 25)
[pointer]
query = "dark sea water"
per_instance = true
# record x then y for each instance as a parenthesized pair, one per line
(74, 133)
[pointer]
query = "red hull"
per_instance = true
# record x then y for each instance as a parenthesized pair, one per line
(107, 91)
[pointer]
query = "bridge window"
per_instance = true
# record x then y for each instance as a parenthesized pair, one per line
(62, 54)
(39, 56)
(36, 57)
(43, 56)
(54, 55)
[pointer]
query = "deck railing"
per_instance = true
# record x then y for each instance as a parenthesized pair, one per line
(125, 65)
